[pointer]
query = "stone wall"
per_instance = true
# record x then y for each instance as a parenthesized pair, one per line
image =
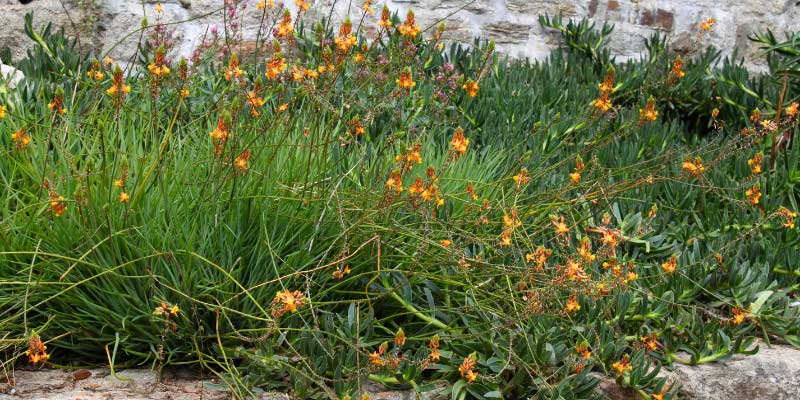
(513, 24)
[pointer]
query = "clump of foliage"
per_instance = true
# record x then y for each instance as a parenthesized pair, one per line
(329, 210)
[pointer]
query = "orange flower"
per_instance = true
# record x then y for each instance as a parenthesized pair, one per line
(466, 368)
(539, 256)
(158, 67)
(575, 177)
(166, 310)
(505, 238)
(459, 143)
(303, 5)
(739, 315)
(275, 67)
(677, 68)
(753, 194)
(560, 225)
(118, 89)
(233, 71)
(434, 345)
(220, 133)
(650, 342)
(707, 24)
(583, 350)
(285, 28)
(255, 102)
(603, 103)
(57, 204)
(670, 265)
(286, 301)
(400, 337)
(57, 105)
(791, 110)
(37, 351)
(405, 81)
(409, 28)
(623, 364)
(471, 87)
(21, 138)
(385, 22)
(522, 178)
(395, 182)
(694, 167)
(242, 159)
(649, 112)
(340, 272)
(444, 242)
(788, 217)
(572, 306)
(769, 125)
(124, 197)
(345, 40)
(755, 163)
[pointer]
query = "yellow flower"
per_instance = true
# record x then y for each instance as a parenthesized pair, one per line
(184, 93)
(2, 112)
(572, 306)
(124, 197)
(159, 8)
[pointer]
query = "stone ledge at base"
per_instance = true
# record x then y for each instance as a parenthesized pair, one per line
(773, 373)
(141, 384)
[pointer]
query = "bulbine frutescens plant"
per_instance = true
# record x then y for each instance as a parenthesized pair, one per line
(316, 210)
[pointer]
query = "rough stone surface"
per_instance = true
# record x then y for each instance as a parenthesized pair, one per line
(772, 373)
(100, 384)
(47, 384)
(113, 26)
(10, 76)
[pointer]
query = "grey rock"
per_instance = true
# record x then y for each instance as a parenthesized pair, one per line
(10, 76)
(772, 373)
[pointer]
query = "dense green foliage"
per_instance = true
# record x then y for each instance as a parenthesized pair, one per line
(296, 199)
